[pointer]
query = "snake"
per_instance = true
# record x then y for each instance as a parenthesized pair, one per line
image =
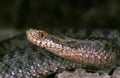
(39, 53)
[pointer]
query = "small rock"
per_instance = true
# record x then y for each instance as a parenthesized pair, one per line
(105, 75)
(116, 73)
(78, 73)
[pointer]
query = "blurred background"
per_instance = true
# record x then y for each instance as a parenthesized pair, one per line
(18, 15)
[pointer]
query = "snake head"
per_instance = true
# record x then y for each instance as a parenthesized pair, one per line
(35, 36)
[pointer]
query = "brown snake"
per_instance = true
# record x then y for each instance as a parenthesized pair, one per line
(52, 53)
(90, 52)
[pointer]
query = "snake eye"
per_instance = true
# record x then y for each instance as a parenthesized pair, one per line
(42, 34)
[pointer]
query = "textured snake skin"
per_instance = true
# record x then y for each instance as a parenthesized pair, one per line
(21, 59)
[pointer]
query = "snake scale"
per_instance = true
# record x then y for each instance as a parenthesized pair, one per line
(39, 53)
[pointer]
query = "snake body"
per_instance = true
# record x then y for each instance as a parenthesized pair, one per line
(26, 60)
(96, 52)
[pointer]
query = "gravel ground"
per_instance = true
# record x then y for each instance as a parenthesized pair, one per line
(81, 73)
